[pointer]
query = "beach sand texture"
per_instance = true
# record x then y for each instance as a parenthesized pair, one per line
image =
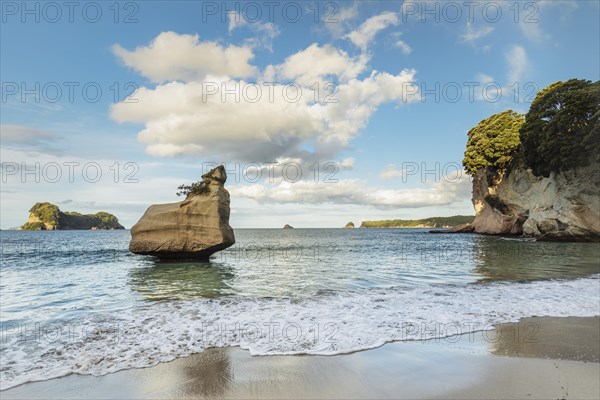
(549, 358)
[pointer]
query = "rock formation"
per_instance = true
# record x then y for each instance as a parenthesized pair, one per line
(349, 225)
(48, 217)
(189, 230)
(288, 227)
(563, 207)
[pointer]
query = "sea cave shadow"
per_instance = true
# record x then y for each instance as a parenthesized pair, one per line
(157, 280)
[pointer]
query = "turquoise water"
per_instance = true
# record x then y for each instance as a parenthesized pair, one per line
(360, 285)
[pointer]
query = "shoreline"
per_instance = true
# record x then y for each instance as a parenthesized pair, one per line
(538, 357)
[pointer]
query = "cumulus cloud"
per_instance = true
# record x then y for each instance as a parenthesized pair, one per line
(171, 56)
(357, 192)
(317, 63)
(236, 119)
(366, 32)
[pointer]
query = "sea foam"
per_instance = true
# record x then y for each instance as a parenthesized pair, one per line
(327, 323)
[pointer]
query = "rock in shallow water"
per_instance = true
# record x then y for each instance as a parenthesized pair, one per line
(189, 230)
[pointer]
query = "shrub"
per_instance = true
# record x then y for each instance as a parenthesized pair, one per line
(493, 142)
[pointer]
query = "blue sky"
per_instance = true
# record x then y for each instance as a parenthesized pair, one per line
(408, 79)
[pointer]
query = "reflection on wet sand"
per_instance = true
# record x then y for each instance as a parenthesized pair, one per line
(180, 281)
(567, 338)
(209, 374)
(518, 260)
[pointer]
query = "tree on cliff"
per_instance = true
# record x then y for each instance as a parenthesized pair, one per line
(562, 127)
(493, 142)
(196, 188)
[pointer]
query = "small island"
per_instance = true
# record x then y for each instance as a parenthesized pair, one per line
(288, 227)
(48, 217)
(349, 225)
(432, 222)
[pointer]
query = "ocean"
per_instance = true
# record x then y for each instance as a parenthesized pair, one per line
(79, 302)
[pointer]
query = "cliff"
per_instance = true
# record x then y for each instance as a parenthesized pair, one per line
(538, 174)
(47, 216)
(562, 207)
(191, 229)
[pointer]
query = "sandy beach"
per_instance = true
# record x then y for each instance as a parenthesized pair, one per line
(537, 358)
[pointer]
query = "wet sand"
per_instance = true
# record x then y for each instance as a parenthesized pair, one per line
(537, 358)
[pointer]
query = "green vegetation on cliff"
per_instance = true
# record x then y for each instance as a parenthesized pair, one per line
(46, 216)
(195, 189)
(562, 128)
(34, 226)
(433, 222)
(560, 132)
(493, 142)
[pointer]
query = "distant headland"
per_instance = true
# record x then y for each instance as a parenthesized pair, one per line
(48, 217)
(433, 222)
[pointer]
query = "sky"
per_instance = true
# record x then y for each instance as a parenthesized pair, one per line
(322, 112)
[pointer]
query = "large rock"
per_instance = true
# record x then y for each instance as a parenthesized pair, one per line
(562, 207)
(189, 230)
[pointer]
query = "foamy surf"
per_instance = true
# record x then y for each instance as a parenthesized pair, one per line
(326, 324)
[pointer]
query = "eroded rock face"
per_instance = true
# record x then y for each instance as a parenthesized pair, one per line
(564, 206)
(189, 230)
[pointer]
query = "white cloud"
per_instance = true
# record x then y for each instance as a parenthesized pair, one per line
(262, 124)
(317, 63)
(236, 20)
(347, 163)
(171, 56)
(406, 49)
(518, 64)
(390, 172)
(401, 44)
(366, 32)
(357, 192)
(473, 34)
